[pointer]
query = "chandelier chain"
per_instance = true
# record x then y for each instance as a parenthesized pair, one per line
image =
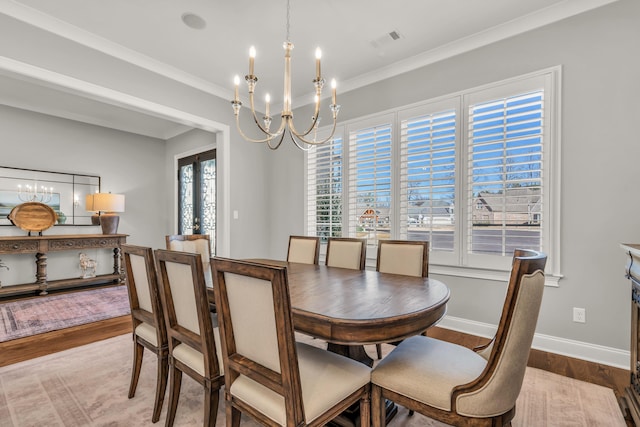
(288, 20)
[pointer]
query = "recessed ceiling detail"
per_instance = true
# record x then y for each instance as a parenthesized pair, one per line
(194, 21)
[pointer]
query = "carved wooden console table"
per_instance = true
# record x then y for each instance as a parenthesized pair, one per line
(42, 245)
(632, 393)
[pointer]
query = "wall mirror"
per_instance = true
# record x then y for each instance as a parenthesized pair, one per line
(64, 192)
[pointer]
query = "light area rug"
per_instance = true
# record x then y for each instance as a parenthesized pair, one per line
(88, 385)
(32, 316)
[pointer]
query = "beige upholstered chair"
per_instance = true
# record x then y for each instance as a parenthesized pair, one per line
(195, 244)
(303, 249)
(269, 376)
(459, 386)
(406, 257)
(346, 252)
(192, 333)
(147, 319)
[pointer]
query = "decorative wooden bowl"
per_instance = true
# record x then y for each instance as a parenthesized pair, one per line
(32, 216)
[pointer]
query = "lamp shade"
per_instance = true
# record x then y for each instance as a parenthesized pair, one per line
(88, 203)
(107, 202)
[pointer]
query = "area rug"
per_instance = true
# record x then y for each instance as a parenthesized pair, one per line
(32, 316)
(87, 386)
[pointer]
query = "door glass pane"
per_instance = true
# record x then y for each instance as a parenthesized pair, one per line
(186, 199)
(208, 200)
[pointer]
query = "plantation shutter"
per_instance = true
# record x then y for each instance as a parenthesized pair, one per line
(505, 165)
(428, 178)
(370, 182)
(324, 190)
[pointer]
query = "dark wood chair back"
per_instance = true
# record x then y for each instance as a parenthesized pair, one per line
(190, 329)
(304, 249)
(147, 319)
(260, 348)
(346, 252)
(407, 257)
(193, 243)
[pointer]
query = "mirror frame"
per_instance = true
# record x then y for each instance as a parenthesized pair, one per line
(68, 201)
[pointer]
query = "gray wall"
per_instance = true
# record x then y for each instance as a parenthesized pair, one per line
(600, 152)
(36, 141)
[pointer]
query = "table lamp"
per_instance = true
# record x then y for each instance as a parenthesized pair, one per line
(88, 205)
(108, 204)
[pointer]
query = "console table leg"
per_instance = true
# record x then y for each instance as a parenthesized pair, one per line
(117, 264)
(41, 272)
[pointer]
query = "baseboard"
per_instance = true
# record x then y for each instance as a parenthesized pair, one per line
(563, 346)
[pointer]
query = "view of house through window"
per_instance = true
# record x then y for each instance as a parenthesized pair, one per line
(469, 173)
(197, 195)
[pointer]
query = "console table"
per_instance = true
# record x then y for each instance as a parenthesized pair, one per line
(632, 393)
(42, 245)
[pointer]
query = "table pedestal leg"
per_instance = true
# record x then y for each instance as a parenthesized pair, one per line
(41, 272)
(351, 417)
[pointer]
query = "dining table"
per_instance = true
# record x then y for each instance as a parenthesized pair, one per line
(351, 308)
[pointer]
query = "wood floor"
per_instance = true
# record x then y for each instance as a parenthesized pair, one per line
(39, 345)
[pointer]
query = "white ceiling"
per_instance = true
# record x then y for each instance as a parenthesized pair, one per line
(353, 35)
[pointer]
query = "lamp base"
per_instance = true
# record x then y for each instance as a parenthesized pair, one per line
(95, 219)
(109, 223)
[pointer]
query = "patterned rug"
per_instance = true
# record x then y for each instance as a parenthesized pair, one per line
(23, 318)
(87, 386)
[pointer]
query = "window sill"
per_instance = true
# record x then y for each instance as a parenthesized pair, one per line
(484, 274)
(475, 273)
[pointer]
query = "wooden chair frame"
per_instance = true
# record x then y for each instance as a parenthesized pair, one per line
(316, 257)
(425, 266)
(363, 250)
(525, 262)
(186, 237)
(425, 252)
(154, 318)
(287, 382)
(213, 379)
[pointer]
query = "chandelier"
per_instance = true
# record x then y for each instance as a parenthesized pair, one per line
(34, 194)
(302, 139)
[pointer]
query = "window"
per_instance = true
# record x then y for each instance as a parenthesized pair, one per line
(324, 190)
(474, 173)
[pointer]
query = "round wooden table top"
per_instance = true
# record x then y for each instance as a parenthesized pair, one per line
(353, 307)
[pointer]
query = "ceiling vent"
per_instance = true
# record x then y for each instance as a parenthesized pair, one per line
(385, 39)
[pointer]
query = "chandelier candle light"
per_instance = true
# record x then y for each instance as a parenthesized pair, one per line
(35, 194)
(273, 139)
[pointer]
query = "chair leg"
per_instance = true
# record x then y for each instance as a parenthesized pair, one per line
(378, 414)
(161, 385)
(138, 352)
(379, 351)
(365, 410)
(232, 415)
(175, 381)
(211, 399)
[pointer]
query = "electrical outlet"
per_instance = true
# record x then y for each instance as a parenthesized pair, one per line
(579, 315)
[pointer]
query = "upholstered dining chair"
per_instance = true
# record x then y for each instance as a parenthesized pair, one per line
(193, 243)
(196, 244)
(269, 376)
(346, 252)
(192, 333)
(303, 249)
(460, 386)
(147, 319)
(406, 257)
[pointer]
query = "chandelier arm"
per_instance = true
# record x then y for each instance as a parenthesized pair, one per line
(306, 141)
(316, 113)
(267, 139)
(275, 147)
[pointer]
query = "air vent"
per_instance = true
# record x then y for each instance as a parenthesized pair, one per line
(385, 39)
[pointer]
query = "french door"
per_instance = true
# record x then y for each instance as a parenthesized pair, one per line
(197, 195)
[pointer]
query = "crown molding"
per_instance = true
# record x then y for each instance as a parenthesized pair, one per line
(70, 32)
(540, 18)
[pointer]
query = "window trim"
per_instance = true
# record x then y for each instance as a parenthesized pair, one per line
(551, 180)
